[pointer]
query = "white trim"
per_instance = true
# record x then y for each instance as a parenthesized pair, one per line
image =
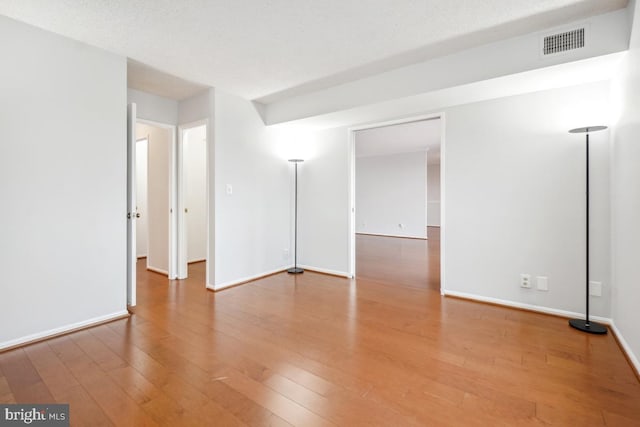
(326, 271)
(530, 307)
(132, 250)
(635, 363)
(173, 207)
(410, 119)
(352, 202)
(443, 146)
(282, 269)
(231, 283)
(63, 329)
(158, 270)
(393, 235)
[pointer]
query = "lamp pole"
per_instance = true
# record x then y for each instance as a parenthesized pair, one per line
(295, 269)
(586, 325)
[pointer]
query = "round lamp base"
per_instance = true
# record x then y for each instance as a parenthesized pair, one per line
(295, 271)
(592, 327)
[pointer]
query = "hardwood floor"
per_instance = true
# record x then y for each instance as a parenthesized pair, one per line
(315, 350)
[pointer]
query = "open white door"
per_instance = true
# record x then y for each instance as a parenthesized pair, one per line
(131, 205)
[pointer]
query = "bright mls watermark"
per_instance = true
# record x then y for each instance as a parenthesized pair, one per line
(55, 415)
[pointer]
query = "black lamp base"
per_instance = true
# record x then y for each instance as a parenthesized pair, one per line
(295, 270)
(592, 327)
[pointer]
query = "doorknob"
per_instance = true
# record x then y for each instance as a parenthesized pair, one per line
(137, 215)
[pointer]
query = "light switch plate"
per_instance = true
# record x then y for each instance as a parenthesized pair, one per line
(595, 289)
(542, 283)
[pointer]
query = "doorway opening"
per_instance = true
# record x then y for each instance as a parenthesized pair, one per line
(193, 199)
(156, 197)
(155, 144)
(395, 198)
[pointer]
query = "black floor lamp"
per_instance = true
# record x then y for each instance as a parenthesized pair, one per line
(295, 269)
(586, 325)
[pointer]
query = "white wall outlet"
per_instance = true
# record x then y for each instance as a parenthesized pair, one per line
(229, 189)
(595, 289)
(285, 253)
(525, 280)
(542, 283)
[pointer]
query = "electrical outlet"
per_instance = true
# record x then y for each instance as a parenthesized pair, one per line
(229, 188)
(595, 289)
(285, 253)
(542, 283)
(525, 280)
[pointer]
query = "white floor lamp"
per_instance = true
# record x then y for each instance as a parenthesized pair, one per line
(295, 269)
(586, 325)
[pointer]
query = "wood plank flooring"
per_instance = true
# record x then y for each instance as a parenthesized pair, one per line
(315, 350)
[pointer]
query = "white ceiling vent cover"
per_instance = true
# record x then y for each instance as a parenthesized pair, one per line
(562, 42)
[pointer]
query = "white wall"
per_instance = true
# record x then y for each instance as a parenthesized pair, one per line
(62, 183)
(142, 226)
(391, 190)
(195, 189)
(625, 199)
(198, 107)
(324, 203)
(514, 189)
(433, 194)
(514, 196)
(154, 107)
(252, 225)
(158, 194)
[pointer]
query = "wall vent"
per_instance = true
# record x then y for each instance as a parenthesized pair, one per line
(563, 42)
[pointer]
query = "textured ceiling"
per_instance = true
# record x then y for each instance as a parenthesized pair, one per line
(401, 138)
(270, 49)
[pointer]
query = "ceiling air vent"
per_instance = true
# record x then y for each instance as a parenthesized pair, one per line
(563, 42)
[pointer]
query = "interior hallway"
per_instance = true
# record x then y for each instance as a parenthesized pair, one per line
(313, 349)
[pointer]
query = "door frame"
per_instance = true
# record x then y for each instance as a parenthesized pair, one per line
(131, 279)
(173, 203)
(182, 269)
(351, 153)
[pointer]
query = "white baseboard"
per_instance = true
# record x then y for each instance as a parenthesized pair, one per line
(158, 270)
(393, 235)
(530, 307)
(231, 283)
(236, 282)
(325, 271)
(635, 363)
(62, 330)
